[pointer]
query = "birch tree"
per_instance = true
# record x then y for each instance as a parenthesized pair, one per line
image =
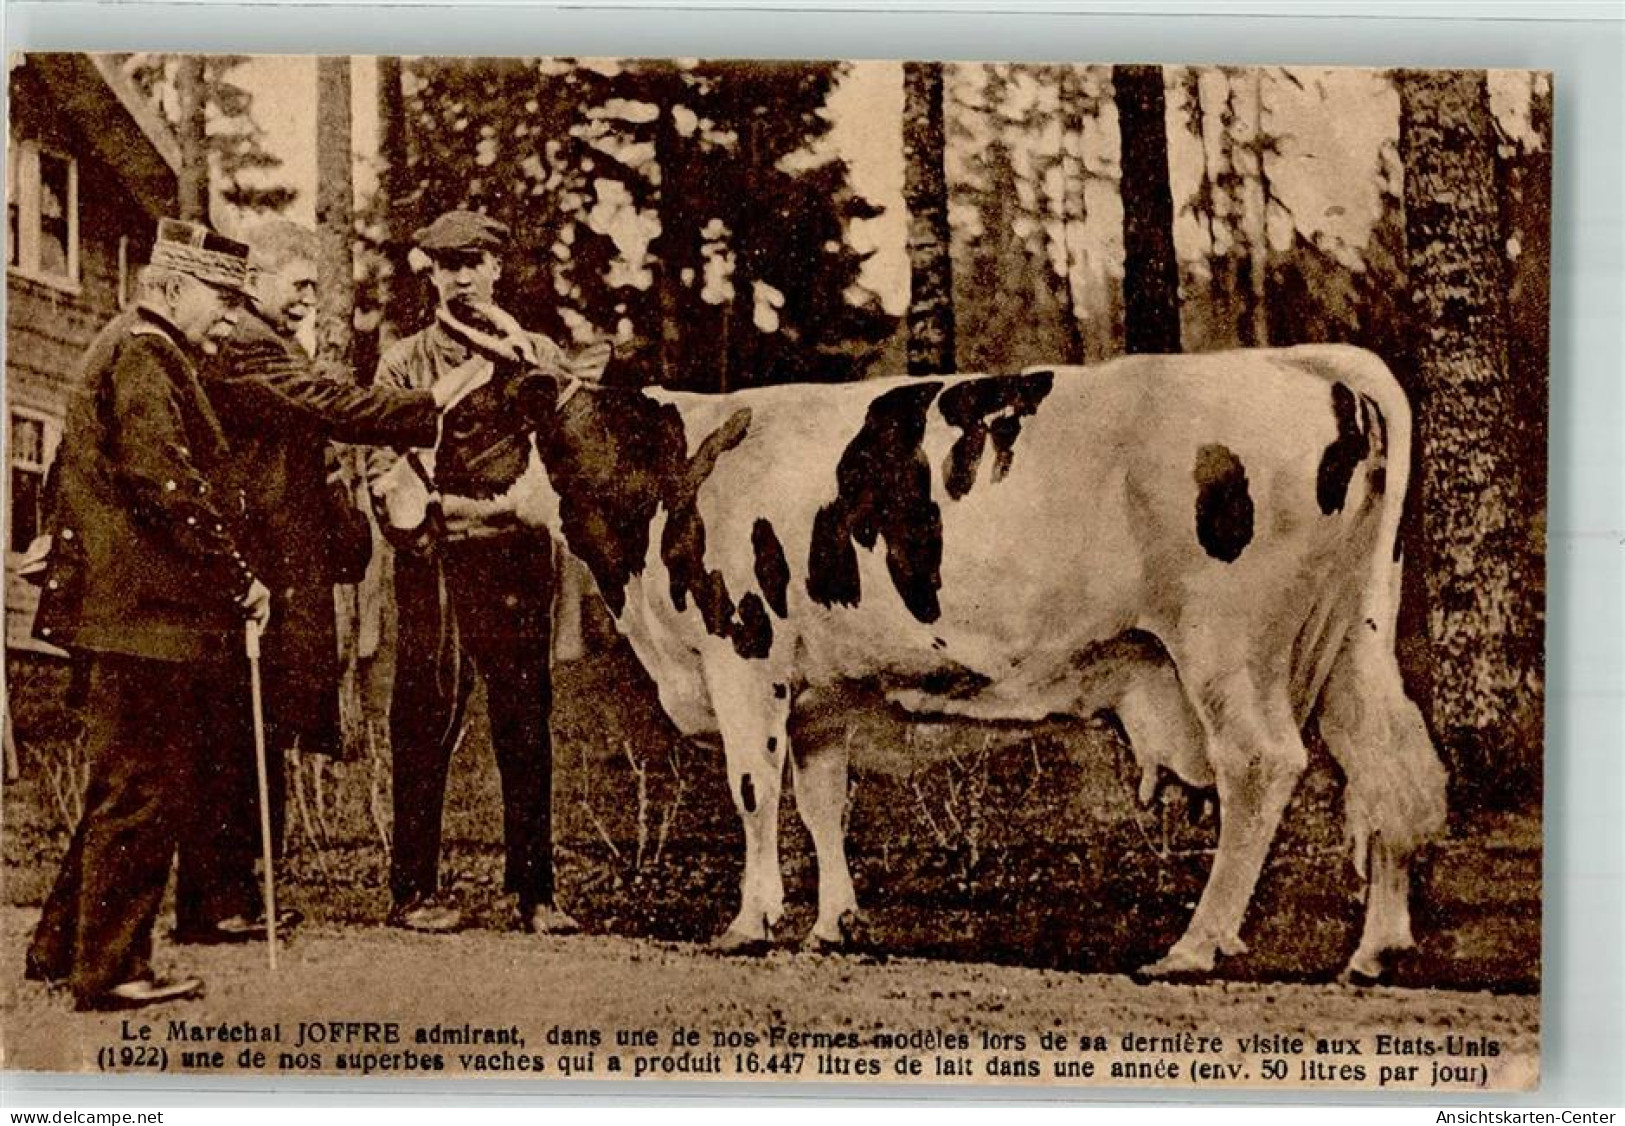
(925, 193)
(1484, 604)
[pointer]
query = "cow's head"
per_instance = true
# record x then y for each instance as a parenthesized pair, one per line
(520, 410)
(406, 503)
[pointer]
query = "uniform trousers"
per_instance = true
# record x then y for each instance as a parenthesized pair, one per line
(485, 606)
(151, 730)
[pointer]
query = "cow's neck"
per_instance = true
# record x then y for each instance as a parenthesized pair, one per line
(616, 459)
(609, 457)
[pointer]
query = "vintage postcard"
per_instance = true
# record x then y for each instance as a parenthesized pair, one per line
(851, 572)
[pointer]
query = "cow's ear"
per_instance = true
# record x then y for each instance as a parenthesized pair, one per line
(533, 395)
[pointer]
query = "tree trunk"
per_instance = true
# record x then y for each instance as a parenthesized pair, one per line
(678, 247)
(1484, 598)
(1526, 209)
(335, 204)
(925, 194)
(1074, 209)
(335, 309)
(1205, 205)
(1151, 275)
(193, 136)
(1222, 173)
(1254, 325)
(395, 185)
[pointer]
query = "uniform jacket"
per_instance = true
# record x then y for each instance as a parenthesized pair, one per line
(278, 415)
(145, 560)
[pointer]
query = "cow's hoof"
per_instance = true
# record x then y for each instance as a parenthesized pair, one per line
(854, 926)
(816, 943)
(733, 941)
(851, 928)
(1364, 969)
(1177, 964)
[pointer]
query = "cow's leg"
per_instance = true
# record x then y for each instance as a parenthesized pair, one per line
(753, 720)
(820, 779)
(1257, 756)
(1395, 794)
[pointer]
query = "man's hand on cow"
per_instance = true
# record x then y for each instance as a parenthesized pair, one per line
(589, 363)
(257, 604)
(514, 336)
(451, 388)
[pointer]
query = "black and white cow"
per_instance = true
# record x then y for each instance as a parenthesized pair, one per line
(1206, 544)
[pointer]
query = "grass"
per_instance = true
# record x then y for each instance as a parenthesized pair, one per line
(1020, 846)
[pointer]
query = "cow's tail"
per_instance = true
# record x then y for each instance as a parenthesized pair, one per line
(1395, 790)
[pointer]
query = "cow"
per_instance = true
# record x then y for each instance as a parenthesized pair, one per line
(1206, 545)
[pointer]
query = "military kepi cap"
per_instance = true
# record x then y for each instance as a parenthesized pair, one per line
(191, 248)
(461, 230)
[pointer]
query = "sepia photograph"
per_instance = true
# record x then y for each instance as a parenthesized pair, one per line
(848, 572)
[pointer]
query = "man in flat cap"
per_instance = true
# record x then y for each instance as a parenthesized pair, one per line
(145, 582)
(301, 534)
(480, 601)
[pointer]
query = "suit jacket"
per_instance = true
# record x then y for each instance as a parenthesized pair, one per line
(278, 415)
(145, 559)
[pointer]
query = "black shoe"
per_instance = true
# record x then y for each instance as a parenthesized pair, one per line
(286, 919)
(35, 970)
(140, 993)
(426, 916)
(237, 928)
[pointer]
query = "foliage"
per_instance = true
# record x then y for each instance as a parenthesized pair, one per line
(1032, 162)
(236, 142)
(683, 210)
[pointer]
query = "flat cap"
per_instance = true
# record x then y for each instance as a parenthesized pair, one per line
(191, 248)
(461, 230)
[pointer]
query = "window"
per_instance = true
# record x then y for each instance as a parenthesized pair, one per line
(42, 213)
(33, 442)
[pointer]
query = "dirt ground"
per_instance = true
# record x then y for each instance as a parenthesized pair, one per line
(616, 984)
(1009, 882)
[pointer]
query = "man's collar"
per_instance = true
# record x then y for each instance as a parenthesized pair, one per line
(149, 318)
(444, 341)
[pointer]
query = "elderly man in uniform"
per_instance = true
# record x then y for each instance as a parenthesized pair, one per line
(278, 416)
(145, 581)
(483, 598)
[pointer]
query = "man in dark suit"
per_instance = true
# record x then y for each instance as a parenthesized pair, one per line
(278, 415)
(146, 583)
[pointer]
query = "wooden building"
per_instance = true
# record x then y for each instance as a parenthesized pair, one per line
(90, 169)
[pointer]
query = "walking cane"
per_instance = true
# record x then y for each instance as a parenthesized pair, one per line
(251, 637)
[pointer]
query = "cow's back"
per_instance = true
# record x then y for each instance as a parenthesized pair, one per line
(981, 536)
